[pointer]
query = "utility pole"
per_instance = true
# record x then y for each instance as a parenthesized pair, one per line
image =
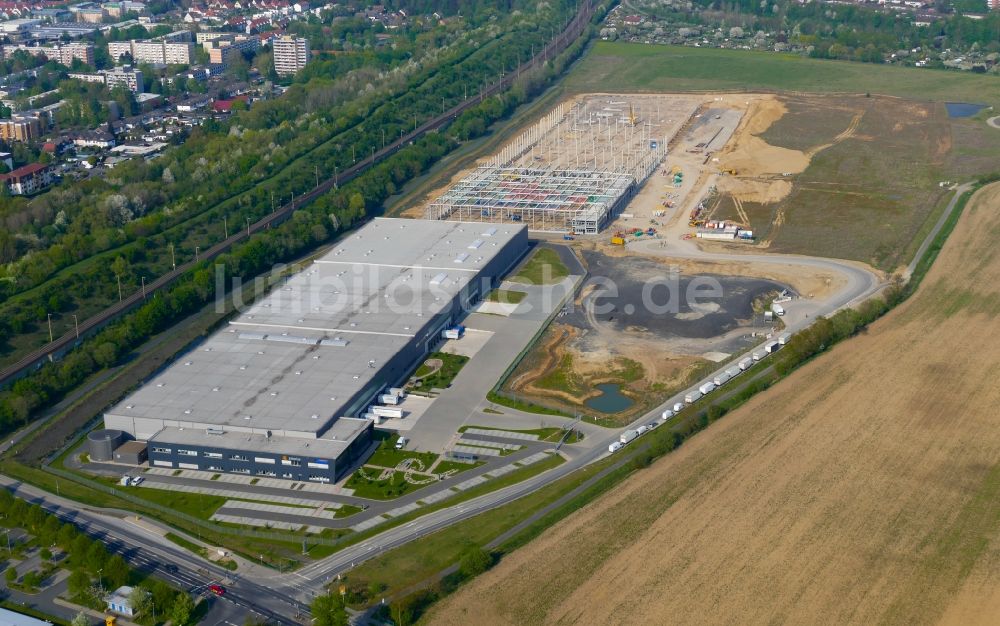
(248, 226)
(143, 287)
(196, 249)
(317, 175)
(119, 287)
(383, 138)
(50, 326)
(272, 202)
(225, 228)
(336, 176)
(76, 323)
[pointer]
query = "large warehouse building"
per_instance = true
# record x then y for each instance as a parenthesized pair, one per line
(279, 391)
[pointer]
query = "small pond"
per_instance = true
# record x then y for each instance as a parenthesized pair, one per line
(963, 109)
(611, 399)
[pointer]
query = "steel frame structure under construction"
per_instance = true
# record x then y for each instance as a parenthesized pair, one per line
(574, 171)
(578, 200)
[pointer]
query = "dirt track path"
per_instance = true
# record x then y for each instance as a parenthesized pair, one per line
(864, 488)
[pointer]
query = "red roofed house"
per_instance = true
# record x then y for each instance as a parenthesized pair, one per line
(28, 179)
(226, 106)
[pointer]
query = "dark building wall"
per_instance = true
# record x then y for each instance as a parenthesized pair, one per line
(293, 467)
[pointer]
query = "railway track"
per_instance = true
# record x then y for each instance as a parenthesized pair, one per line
(71, 339)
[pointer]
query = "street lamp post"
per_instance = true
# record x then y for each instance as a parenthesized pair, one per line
(173, 258)
(76, 324)
(225, 228)
(49, 316)
(143, 287)
(196, 250)
(248, 226)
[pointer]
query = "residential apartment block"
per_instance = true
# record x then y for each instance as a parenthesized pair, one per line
(222, 50)
(63, 53)
(153, 51)
(290, 54)
(28, 179)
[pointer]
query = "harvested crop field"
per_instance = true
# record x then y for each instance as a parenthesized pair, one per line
(864, 488)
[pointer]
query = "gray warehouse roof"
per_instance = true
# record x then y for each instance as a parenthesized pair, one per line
(291, 362)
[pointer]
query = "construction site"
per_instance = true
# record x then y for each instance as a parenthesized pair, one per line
(575, 170)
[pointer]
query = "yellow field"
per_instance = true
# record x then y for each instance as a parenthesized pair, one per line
(864, 488)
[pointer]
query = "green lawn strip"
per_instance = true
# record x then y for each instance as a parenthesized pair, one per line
(506, 296)
(446, 466)
(930, 255)
(451, 364)
(346, 510)
(388, 456)
(543, 267)
(625, 67)
(544, 434)
(375, 489)
(523, 405)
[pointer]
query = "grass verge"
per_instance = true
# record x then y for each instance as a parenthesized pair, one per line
(543, 267)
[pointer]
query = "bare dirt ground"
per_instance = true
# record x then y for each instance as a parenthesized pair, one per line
(864, 488)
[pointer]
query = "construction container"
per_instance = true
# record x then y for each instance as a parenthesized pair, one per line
(397, 391)
(388, 398)
(716, 235)
(387, 411)
(617, 241)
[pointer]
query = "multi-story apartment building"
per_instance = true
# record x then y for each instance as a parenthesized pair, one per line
(28, 179)
(20, 128)
(125, 76)
(223, 50)
(63, 53)
(290, 54)
(153, 51)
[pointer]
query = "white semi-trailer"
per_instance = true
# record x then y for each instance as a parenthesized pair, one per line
(628, 436)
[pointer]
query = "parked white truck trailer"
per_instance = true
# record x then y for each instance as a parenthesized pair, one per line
(708, 387)
(783, 338)
(746, 363)
(387, 411)
(628, 436)
(693, 396)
